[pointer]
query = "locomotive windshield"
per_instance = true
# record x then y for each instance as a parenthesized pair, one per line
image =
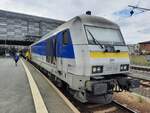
(104, 35)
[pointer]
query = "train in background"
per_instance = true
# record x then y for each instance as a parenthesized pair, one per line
(88, 55)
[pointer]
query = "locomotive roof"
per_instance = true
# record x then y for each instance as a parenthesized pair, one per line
(83, 19)
(94, 20)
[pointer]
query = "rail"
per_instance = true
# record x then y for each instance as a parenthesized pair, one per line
(124, 107)
(113, 107)
(137, 67)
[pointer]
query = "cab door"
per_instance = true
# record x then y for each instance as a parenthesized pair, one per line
(51, 50)
(64, 50)
(59, 51)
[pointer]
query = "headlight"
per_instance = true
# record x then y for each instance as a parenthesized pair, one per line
(121, 67)
(124, 67)
(97, 69)
(94, 69)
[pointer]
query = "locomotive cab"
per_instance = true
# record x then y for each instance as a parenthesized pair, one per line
(101, 58)
(108, 52)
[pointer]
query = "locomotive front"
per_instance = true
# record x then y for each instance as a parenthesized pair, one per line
(107, 62)
(108, 52)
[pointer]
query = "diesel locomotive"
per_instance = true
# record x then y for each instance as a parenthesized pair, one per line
(89, 55)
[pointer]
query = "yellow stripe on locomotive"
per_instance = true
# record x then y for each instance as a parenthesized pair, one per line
(96, 54)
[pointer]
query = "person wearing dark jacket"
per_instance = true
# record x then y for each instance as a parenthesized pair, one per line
(16, 59)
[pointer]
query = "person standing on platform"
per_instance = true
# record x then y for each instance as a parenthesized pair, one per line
(16, 59)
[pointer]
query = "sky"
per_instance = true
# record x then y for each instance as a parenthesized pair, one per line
(134, 28)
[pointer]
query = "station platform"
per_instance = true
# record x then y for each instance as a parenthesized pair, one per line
(23, 89)
(15, 94)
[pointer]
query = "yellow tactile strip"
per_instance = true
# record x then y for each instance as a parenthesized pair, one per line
(38, 101)
(69, 104)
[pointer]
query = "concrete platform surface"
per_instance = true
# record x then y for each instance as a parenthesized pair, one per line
(15, 93)
(52, 100)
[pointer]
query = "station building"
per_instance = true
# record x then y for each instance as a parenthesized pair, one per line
(144, 47)
(19, 30)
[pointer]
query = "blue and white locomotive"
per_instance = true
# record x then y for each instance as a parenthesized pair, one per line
(89, 55)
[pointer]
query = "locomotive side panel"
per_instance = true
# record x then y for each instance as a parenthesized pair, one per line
(56, 54)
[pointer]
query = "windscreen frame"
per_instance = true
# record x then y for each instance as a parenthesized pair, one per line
(89, 41)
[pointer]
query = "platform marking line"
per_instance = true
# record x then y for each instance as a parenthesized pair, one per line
(38, 100)
(69, 104)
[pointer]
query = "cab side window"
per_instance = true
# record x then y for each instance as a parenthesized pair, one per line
(65, 38)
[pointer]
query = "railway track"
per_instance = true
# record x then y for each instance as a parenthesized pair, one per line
(143, 81)
(114, 107)
(142, 68)
(124, 107)
(145, 84)
(145, 69)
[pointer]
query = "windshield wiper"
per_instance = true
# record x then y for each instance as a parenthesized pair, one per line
(94, 40)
